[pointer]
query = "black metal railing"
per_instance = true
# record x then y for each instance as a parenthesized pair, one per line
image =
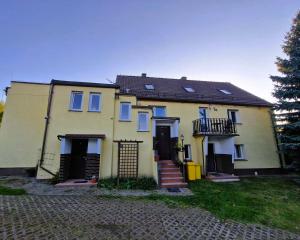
(214, 126)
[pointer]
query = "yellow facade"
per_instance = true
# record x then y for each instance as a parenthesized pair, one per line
(255, 131)
(23, 125)
(21, 134)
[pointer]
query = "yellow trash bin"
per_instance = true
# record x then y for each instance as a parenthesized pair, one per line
(191, 171)
(198, 171)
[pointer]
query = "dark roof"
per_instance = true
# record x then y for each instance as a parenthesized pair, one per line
(168, 89)
(26, 82)
(83, 84)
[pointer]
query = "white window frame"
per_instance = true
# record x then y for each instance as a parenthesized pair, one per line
(90, 101)
(149, 86)
(129, 111)
(242, 149)
(206, 112)
(154, 111)
(72, 101)
(139, 129)
(237, 115)
(189, 89)
(189, 152)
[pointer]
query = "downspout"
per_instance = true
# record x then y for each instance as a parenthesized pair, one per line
(276, 140)
(203, 157)
(46, 130)
(113, 138)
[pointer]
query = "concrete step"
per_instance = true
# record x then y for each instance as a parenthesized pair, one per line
(167, 164)
(171, 180)
(222, 177)
(168, 170)
(173, 185)
(170, 174)
(165, 161)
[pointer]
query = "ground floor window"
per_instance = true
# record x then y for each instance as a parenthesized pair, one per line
(187, 152)
(239, 151)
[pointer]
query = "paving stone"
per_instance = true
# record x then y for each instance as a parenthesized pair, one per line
(88, 217)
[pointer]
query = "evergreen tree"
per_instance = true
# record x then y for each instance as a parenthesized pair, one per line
(1, 111)
(287, 92)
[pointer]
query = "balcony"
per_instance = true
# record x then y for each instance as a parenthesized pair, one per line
(214, 127)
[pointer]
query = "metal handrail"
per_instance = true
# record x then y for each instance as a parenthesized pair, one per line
(214, 126)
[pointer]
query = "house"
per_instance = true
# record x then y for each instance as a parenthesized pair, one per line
(139, 126)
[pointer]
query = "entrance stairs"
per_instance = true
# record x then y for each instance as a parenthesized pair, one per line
(170, 175)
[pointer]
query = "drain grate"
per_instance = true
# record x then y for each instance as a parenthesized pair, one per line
(173, 190)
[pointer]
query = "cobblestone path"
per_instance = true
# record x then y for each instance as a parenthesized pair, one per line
(84, 217)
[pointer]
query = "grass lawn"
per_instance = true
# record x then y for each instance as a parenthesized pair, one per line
(272, 202)
(11, 191)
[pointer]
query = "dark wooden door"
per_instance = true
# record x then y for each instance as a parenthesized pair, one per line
(78, 158)
(163, 142)
(211, 163)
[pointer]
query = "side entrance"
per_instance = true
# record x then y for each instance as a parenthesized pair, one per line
(80, 156)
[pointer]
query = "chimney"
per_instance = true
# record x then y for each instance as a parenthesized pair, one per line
(183, 78)
(144, 74)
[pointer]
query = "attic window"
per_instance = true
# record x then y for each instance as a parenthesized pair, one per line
(189, 89)
(225, 91)
(149, 86)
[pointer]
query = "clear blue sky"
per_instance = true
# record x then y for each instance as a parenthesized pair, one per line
(234, 41)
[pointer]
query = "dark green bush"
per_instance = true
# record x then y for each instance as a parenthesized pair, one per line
(143, 183)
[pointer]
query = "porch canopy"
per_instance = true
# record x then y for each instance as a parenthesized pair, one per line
(81, 136)
(173, 122)
(94, 142)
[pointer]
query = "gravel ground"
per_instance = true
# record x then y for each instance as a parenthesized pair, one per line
(37, 187)
(92, 217)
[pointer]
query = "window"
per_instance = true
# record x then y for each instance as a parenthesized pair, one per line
(125, 111)
(149, 86)
(225, 91)
(94, 102)
(187, 152)
(160, 112)
(189, 89)
(202, 113)
(143, 121)
(239, 151)
(234, 116)
(76, 101)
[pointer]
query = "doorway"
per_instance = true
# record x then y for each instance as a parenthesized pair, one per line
(163, 142)
(211, 161)
(78, 158)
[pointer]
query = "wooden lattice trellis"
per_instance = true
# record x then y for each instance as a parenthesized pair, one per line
(128, 158)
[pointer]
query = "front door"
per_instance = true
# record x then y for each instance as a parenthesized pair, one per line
(163, 142)
(211, 161)
(78, 158)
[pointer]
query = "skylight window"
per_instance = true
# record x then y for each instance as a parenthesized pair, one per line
(149, 86)
(225, 91)
(189, 89)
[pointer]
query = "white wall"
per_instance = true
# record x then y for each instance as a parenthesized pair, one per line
(223, 145)
(94, 145)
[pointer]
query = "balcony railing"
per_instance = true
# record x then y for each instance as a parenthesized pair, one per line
(214, 126)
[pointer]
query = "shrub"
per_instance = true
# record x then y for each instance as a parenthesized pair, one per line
(144, 183)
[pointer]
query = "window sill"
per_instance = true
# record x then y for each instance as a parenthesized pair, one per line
(74, 110)
(240, 159)
(94, 111)
(143, 131)
(121, 120)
